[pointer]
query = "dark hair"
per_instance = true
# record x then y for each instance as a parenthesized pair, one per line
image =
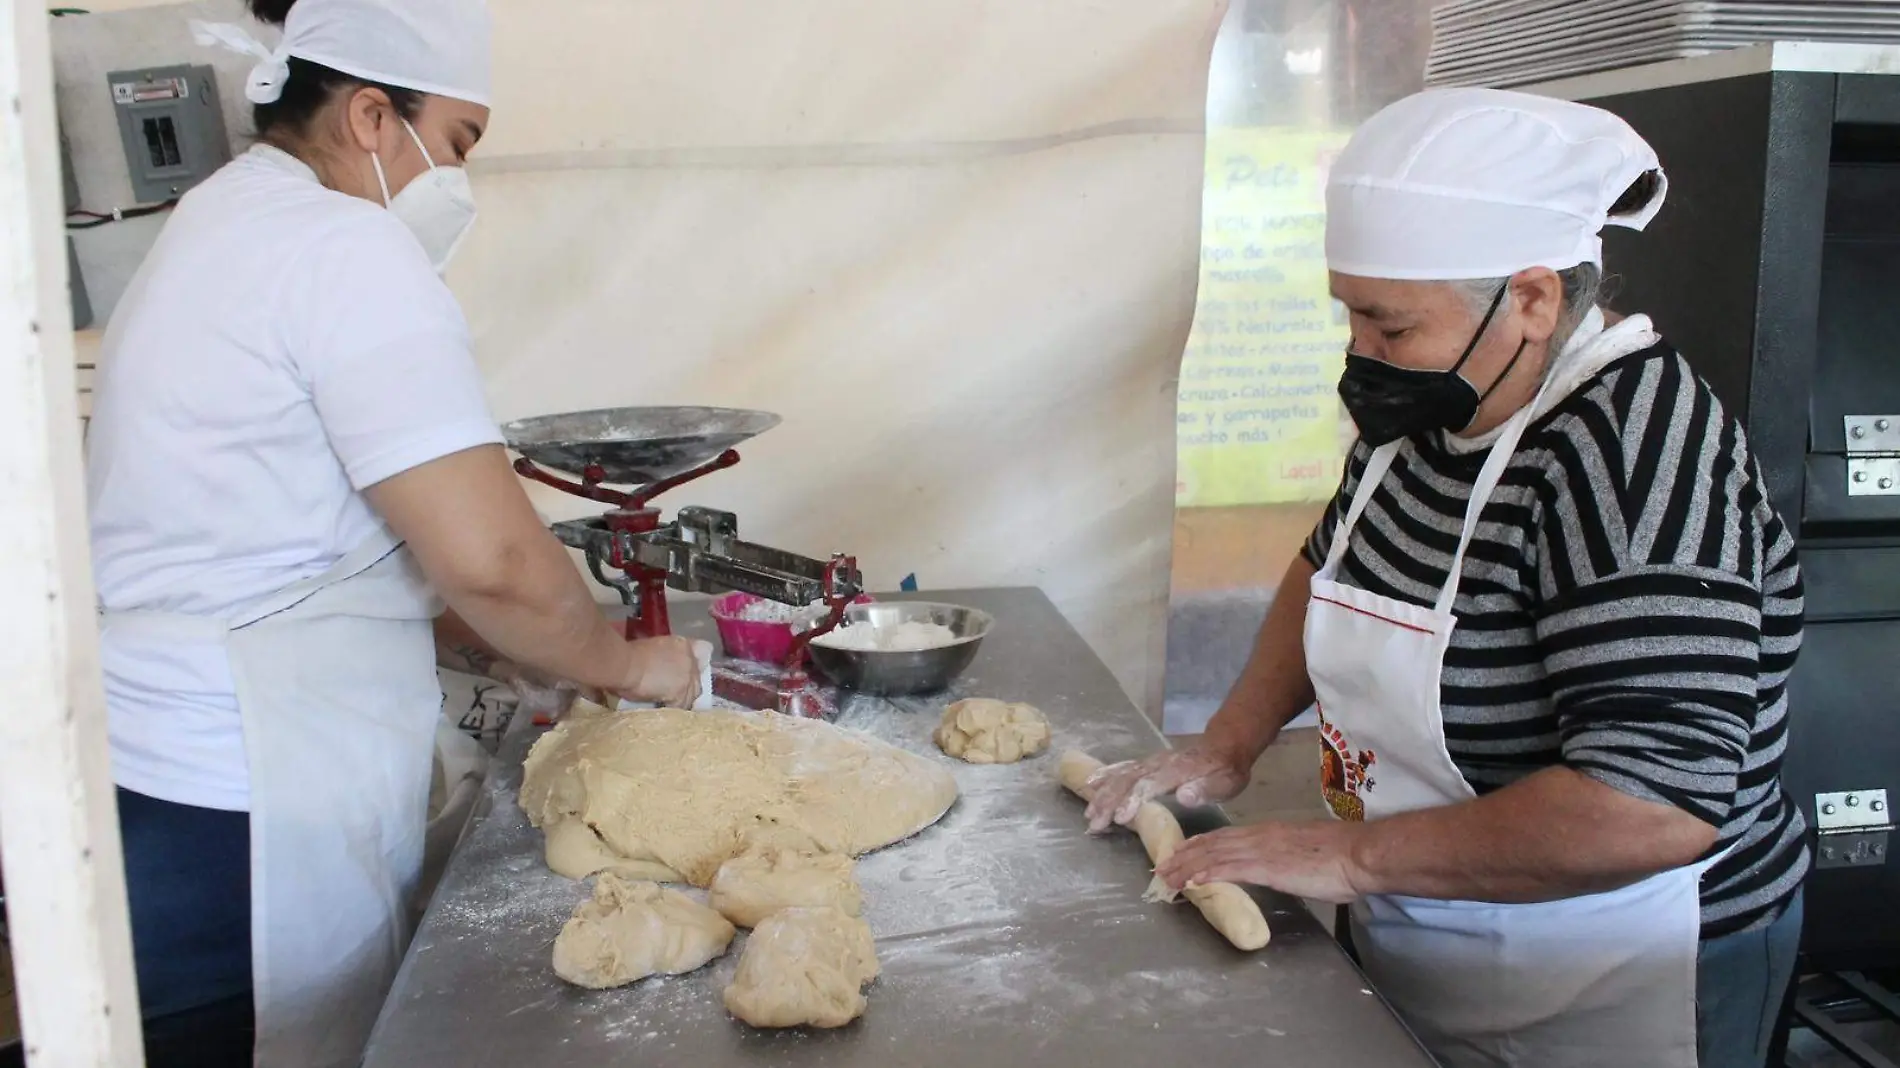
(1638, 195)
(310, 86)
(272, 12)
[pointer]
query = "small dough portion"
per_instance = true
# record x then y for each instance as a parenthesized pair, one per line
(631, 930)
(983, 731)
(766, 879)
(804, 968)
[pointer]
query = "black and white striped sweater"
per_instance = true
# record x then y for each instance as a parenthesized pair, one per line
(1631, 608)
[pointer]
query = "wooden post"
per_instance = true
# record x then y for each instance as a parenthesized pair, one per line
(59, 831)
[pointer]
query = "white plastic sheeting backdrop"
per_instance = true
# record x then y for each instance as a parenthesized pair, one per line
(952, 242)
(1262, 434)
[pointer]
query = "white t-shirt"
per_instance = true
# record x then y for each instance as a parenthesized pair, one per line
(283, 347)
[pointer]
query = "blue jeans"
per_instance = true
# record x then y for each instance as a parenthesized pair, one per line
(1741, 980)
(188, 882)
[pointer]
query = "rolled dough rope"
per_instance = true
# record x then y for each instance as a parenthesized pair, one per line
(1230, 909)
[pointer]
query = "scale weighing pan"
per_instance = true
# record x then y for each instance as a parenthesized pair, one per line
(634, 446)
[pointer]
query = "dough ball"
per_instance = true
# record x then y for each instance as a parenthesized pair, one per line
(982, 731)
(751, 887)
(804, 967)
(631, 930)
(574, 850)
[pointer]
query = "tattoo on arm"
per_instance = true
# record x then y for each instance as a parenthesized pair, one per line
(472, 660)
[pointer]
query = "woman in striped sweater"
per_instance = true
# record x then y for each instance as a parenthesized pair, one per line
(1547, 620)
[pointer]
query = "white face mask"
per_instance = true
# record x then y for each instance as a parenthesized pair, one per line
(438, 206)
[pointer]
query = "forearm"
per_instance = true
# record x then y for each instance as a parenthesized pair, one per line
(459, 648)
(1273, 688)
(542, 618)
(1554, 834)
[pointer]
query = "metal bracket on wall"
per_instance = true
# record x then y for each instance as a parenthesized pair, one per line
(1873, 455)
(1853, 826)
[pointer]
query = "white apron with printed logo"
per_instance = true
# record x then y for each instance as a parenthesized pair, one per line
(1603, 979)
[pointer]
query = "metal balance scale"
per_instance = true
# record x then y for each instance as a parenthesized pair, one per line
(699, 551)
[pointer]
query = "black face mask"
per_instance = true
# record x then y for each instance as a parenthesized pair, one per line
(1388, 403)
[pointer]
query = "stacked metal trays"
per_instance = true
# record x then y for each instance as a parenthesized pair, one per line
(1503, 43)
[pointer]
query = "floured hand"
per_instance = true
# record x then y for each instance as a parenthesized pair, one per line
(1197, 775)
(662, 671)
(1312, 860)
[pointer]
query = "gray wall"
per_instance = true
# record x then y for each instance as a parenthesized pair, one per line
(85, 48)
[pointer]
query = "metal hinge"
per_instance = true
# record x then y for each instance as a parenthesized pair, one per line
(1873, 455)
(1854, 826)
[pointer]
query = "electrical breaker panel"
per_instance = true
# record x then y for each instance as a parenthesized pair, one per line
(172, 126)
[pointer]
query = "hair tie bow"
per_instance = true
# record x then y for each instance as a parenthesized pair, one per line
(266, 82)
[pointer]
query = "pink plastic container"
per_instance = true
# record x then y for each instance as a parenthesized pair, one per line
(753, 639)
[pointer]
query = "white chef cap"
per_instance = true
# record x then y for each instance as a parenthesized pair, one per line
(1481, 183)
(440, 47)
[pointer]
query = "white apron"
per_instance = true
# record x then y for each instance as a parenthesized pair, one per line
(1603, 979)
(337, 687)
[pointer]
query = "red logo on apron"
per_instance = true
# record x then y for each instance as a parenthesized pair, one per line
(1343, 777)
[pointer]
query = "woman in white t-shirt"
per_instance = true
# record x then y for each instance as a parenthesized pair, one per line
(291, 467)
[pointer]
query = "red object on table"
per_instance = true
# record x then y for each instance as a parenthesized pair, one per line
(766, 641)
(632, 513)
(644, 588)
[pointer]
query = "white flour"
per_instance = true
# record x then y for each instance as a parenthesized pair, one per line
(801, 618)
(908, 636)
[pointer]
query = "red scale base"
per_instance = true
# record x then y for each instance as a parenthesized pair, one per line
(786, 688)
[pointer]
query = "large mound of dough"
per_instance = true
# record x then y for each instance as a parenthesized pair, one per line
(764, 880)
(804, 967)
(632, 930)
(683, 792)
(574, 850)
(982, 731)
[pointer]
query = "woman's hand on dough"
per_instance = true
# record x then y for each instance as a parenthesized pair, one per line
(663, 671)
(1198, 775)
(1308, 859)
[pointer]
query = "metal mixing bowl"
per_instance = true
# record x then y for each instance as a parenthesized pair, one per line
(897, 674)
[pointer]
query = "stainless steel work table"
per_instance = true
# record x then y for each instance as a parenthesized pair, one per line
(1007, 936)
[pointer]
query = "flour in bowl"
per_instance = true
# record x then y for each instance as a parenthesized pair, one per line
(906, 637)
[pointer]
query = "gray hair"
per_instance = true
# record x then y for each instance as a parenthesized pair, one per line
(1583, 290)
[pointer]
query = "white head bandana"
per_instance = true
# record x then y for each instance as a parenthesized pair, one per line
(440, 47)
(1481, 183)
